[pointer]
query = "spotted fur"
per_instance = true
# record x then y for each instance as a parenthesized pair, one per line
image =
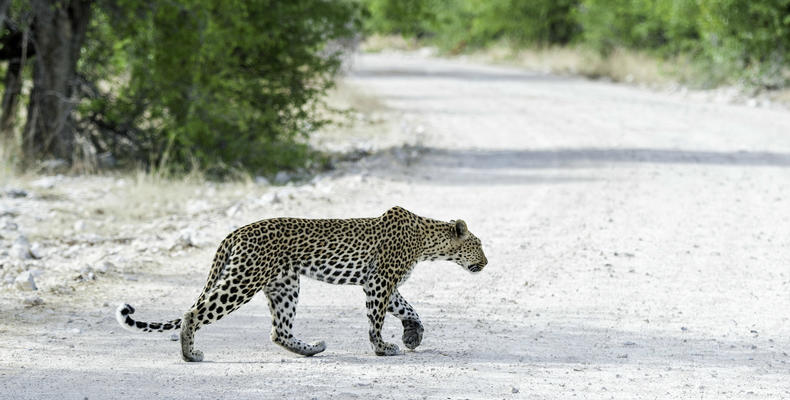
(270, 255)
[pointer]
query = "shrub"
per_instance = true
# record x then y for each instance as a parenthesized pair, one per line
(217, 83)
(748, 38)
(666, 27)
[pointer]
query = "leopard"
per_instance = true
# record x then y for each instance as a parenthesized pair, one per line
(270, 255)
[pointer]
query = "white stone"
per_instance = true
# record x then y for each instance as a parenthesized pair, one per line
(15, 193)
(21, 252)
(233, 210)
(105, 267)
(184, 238)
(53, 164)
(33, 301)
(427, 51)
(36, 251)
(79, 226)
(22, 240)
(9, 212)
(87, 274)
(21, 248)
(10, 225)
(282, 177)
(36, 272)
(47, 182)
(91, 238)
(197, 206)
(25, 281)
(270, 198)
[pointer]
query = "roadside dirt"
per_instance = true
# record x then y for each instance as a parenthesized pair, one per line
(637, 243)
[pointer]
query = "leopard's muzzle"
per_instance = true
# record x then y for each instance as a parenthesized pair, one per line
(477, 267)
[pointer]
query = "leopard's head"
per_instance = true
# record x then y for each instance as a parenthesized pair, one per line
(464, 248)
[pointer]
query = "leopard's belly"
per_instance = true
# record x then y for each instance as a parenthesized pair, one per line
(351, 272)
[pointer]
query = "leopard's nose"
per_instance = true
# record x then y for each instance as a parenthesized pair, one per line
(483, 262)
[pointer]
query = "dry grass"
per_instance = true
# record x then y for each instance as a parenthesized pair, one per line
(620, 66)
(142, 195)
(112, 206)
(626, 66)
(364, 120)
(345, 96)
(780, 96)
(8, 160)
(377, 43)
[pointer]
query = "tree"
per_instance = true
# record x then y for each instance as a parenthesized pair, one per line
(223, 83)
(58, 29)
(15, 50)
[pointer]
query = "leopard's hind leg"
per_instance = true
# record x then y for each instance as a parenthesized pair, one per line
(188, 328)
(283, 296)
(227, 296)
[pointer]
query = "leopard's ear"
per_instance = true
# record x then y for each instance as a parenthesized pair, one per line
(459, 230)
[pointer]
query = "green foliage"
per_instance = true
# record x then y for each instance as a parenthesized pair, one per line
(668, 27)
(405, 17)
(727, 38)
(540, 22)
(460, 23)
(751, 37)
(219, 83)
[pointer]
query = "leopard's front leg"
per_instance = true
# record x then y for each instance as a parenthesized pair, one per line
(412, 327)
(377, 295)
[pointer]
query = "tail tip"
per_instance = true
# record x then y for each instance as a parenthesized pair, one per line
(122, 316)
(125, 309)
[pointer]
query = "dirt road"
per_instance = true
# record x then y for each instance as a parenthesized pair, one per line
(638, 246)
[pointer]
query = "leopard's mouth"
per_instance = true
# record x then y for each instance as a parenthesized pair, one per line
(475, 268)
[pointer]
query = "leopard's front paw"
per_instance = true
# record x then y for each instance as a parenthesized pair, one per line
(412, 334)
(386, 349)
(193, 356)
(315, 348)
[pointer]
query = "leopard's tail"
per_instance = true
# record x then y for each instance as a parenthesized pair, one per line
(123, 315)
(124, 311)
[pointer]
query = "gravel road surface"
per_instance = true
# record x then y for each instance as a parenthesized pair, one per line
(638, 246)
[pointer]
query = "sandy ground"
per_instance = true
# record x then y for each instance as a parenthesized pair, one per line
(638, 246)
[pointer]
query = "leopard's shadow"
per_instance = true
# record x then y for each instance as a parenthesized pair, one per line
(243, 338)
(461, 342)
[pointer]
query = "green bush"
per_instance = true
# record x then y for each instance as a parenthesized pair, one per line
(748, 38)
(666, 27)
(726, 38)
(541, 22)
(404, 17)
(217, 83)
(454, 24)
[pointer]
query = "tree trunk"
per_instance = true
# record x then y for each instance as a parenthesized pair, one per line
(59, 28)
(13, 82)
(13, 87)
(4, 10)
